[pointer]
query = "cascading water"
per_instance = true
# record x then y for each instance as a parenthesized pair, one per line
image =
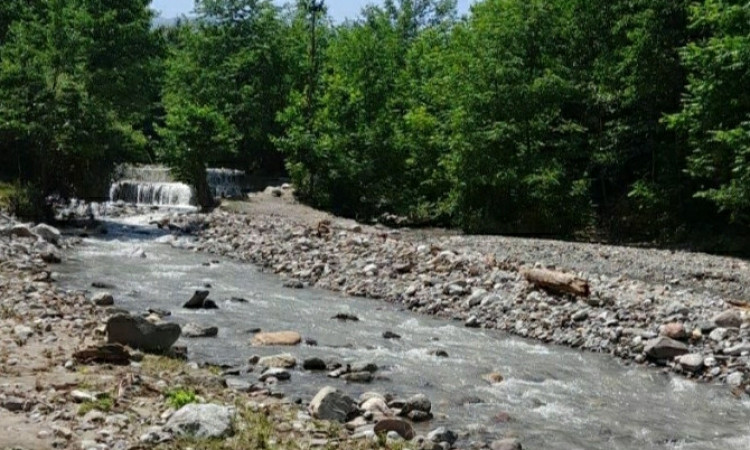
(225, 182)
(154, 185)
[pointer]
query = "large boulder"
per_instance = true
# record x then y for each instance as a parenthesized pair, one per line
(330, 404)
(137, 332)
(48, 233)
(207, 421)
(663, 347)
(277, 338)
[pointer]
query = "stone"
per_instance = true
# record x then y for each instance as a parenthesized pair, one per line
(358, 377)
(346, 316)
(376, 405)
(277, 373)
(155, 435)
(79, 396)
(718, 334)
(364, 366)
(418, 402)
(390, 335)
(472, 322)
(330, 404)
(48, 233)
(314, 364)
(282, 361)
(443, 434)
(202, 421)
(419, 416)
(735, 379)
(294, 284)
(197, 300)
(506, 444)
(103, 299)
(664, 348)
(22, 333)
(138, 333)
(15, 404)
(277, 338)
(193, 330)
(402, 428)
(737, 350)
(493, 377)
(728, 319)
(673, 330)
(692, 362)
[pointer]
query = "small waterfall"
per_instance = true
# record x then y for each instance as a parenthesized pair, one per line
(225, 182)
(152, 193)
(154, 185)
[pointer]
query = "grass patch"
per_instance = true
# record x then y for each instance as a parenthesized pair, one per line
(103, 404)
(154, 365)
(7, 192)
(177, 398)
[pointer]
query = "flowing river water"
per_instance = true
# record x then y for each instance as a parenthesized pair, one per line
(557, 398)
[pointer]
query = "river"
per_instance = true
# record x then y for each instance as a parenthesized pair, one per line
(557, 398)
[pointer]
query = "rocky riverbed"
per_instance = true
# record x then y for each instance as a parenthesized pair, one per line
(677, 311)
(67, 382)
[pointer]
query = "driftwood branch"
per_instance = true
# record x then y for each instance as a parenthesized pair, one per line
(557, 282)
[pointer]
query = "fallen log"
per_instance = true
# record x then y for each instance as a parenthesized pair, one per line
(557, 282)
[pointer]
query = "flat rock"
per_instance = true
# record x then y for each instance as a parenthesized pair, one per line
(193, 330)
(330, 404)
(692, 362)
(207, 421)
(277, 338)
(506, 444)
(137, 332)
(358, 377)
(664, 348)
(281, 361)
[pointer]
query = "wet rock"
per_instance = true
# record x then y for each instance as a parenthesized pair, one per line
(103, 299)
(472, 322)
(102, 285)
(346, 316)
(439, 353)
(197, 300)
(139, 333)
(277, 338)
(493, 377)
(692, 362)
(358, 377)
(281, 361)
(728, 319)
(390, 335)
(48, 233)
(443, 434)
(419, 416)
(402, 428)
(314, 364)
(210, 304)
(193, 330)
(418, 402)
(202, 421)
(664, 348)
(506, 444)
(364, 366)
(330, 404)
(277, 373)
(294, 284)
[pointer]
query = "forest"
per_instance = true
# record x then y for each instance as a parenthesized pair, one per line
(626, 120)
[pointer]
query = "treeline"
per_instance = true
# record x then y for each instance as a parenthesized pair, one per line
(527, 116)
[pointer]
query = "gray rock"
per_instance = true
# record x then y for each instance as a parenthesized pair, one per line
(155, 435)
(22, 333)
(418, 402)
(208, 421)
(364, 366)
(358, 377)
(141, 334)
(15, 404)
(664, 348)
(728, 319)
(472, 322)
(283, 361)
(330, 404)
(737, 350)
(676, 308)
(735, 378)
(103, 299)
(692, 362)
(401, 428)
(443, 434)
(48, 233)
(506, 444)
(718, 334)
(193, 330)
(580, 316)
(277, 373)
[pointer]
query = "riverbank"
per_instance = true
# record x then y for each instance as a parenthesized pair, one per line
(683, 312)
(62, 387)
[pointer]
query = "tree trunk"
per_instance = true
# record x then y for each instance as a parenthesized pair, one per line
(557, 282)
(203, 191)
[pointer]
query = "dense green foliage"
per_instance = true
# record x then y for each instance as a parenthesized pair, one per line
(526, 116)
